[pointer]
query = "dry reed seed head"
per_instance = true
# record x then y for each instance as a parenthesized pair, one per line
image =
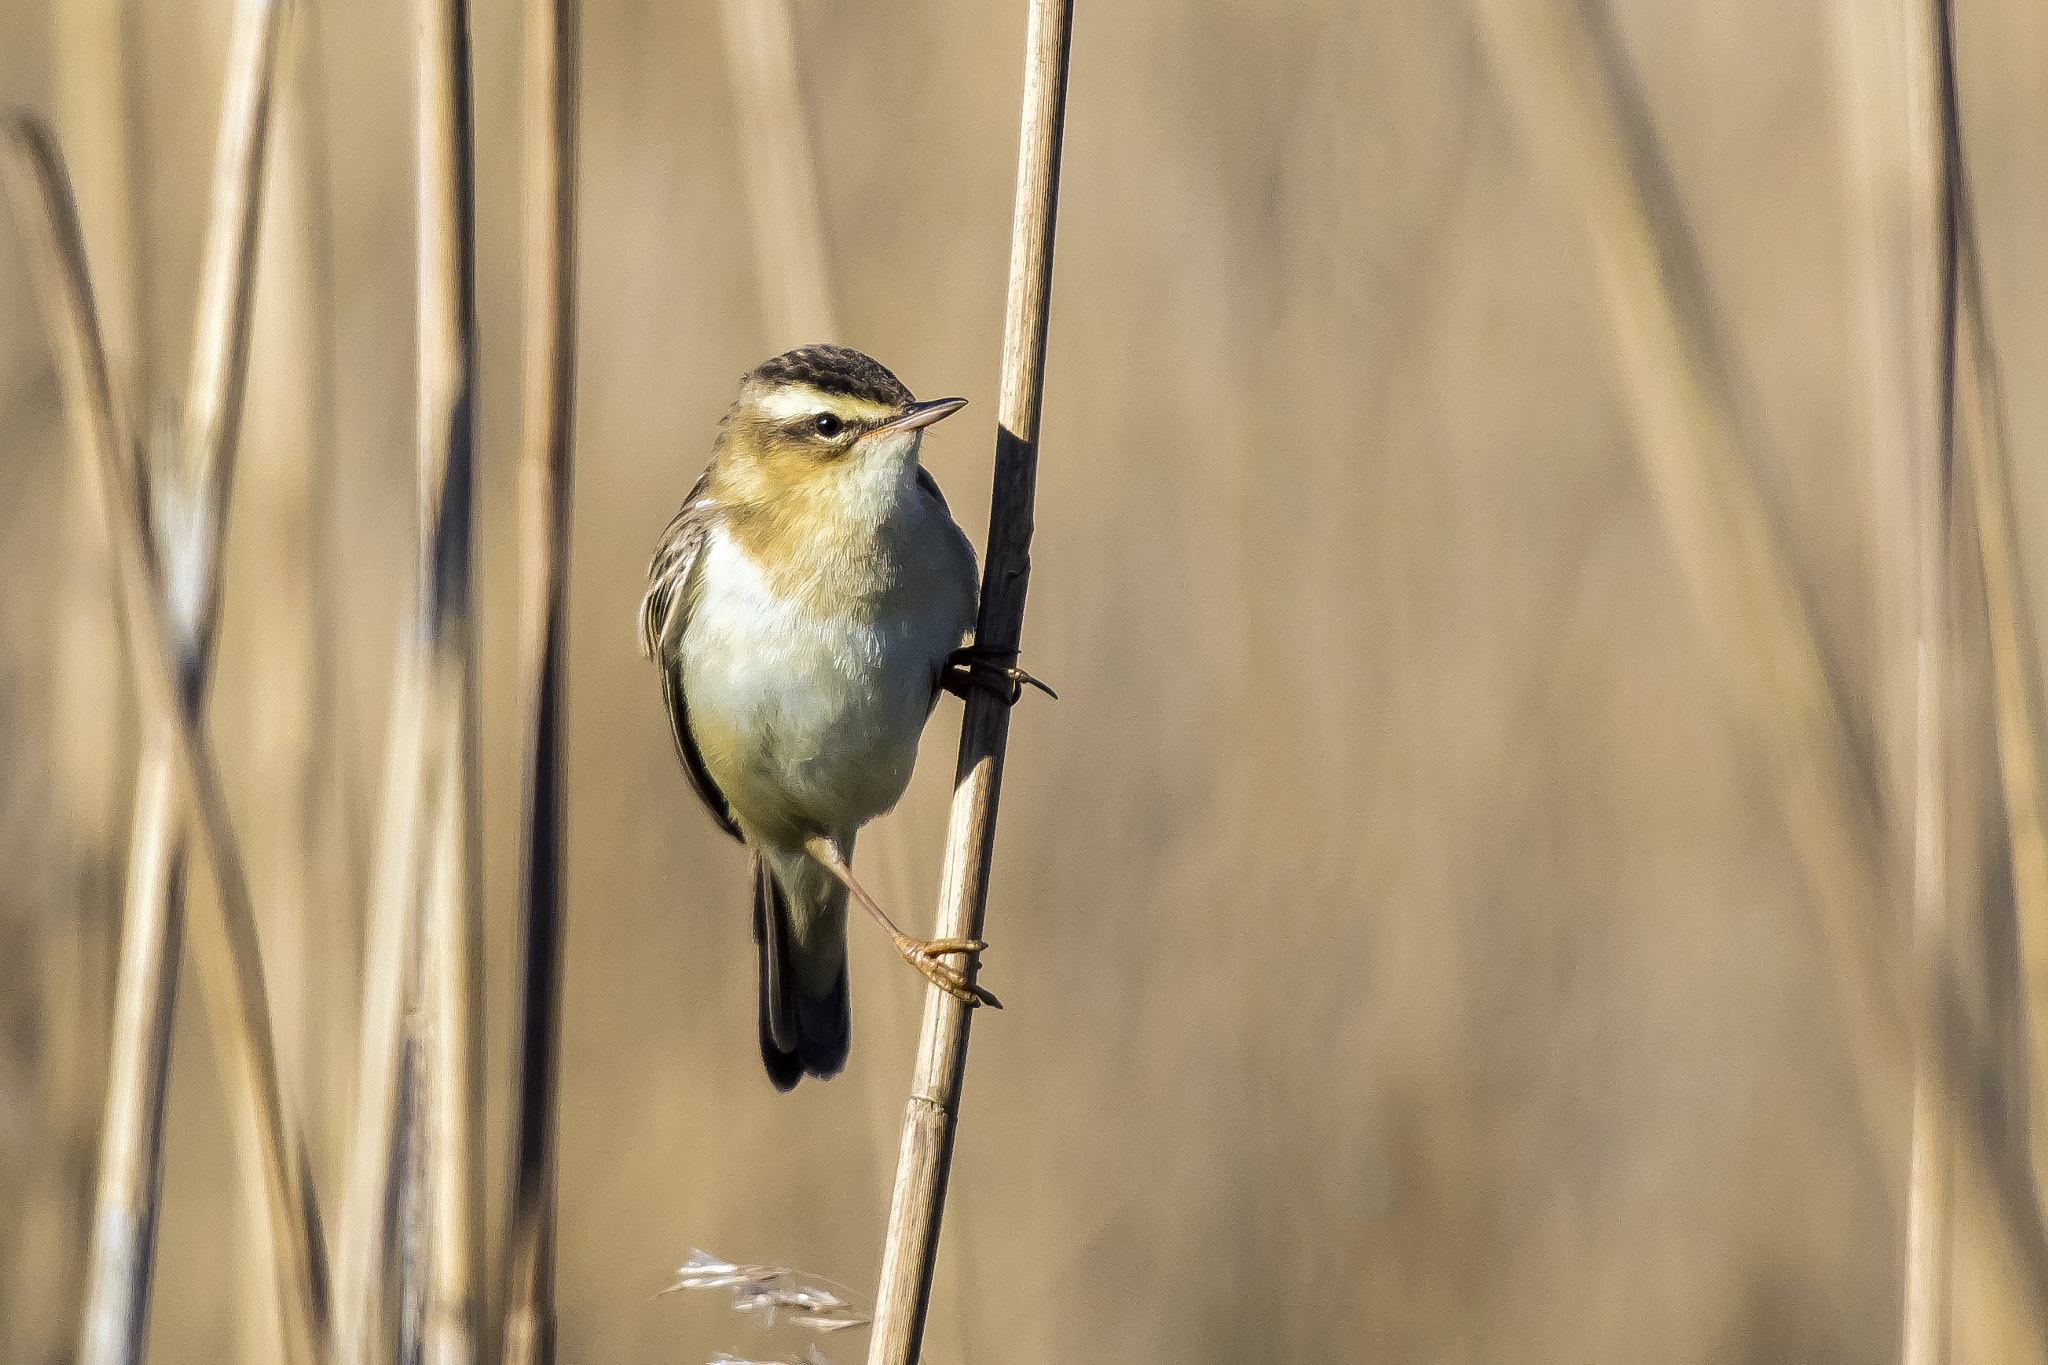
(814, 1356)
(809, 1301)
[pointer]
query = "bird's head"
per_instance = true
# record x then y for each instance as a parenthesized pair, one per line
(823, 420)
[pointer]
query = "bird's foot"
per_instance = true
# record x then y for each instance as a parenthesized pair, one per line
(992, 670)
(921, 953)
(924, 954)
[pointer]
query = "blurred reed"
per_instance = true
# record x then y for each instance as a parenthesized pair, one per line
(918, 1201)
(549, 379)
(163, 639)
(1898, 87)
(1985, 466)
(412, 1218)
(451, 921)
(301, 859)
(365, 1237)
(1981, 489)
(782, 194)
(191, 503)
(1580, 110)
(1924, 298)
(96, 78)
(92, 723)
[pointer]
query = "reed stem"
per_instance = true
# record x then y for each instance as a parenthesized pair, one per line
(1894, 78)
(1579, 107)
(230, 963)
(452, 919)
(930, 1119)
(94, 740)
(550, 377)
(297, 843)
(2016, 681)
(195, 499)
(363, 1239)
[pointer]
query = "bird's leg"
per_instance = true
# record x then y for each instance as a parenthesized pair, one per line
(921, 953)
(990, 669)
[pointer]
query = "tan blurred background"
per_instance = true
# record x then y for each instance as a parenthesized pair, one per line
(1403, 958)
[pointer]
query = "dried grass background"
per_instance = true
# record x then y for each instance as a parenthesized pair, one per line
(1403, 957)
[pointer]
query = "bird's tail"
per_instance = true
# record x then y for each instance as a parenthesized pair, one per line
(806, 1015)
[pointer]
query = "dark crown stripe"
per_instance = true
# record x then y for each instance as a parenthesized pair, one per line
(834, 369)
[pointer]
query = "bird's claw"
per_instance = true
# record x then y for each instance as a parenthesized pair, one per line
(924, 955)
(992, 670)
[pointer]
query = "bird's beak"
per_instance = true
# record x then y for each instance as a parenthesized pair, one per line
(919, 415)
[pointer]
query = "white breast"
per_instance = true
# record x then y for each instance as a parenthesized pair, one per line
(799, 713)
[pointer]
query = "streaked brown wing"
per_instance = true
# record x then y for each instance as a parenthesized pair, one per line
(664, 616)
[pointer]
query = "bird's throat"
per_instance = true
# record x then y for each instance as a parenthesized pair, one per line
(819, 547)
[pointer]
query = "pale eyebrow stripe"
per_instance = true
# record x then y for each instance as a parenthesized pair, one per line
(788, 402)
(784, 403)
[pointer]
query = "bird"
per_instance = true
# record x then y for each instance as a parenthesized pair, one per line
(805, 609)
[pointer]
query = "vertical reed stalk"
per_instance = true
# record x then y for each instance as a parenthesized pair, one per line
(544, 489)
(782, 194)
(1928, 287)
(2016, 683)
(452, 913)
(1580, 109)
(363, 1239)
(193, 503)
(2016, 712)
(92, 715)
(289, 483)
(126, 1200)
(96, 99)
(424, 931)
(1977, 408)
(918, 1202)
(334, 862)
(1900, 226)
(230, 965)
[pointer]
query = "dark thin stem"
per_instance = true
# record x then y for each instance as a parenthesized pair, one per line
(451, 938)
(550, 342)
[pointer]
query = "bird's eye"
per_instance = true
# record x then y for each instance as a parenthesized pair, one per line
(828, 425)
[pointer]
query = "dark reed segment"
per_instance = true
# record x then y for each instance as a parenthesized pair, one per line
(918, 1202)
(544, 502)
(127, 1199)
(451, 921)
(1985, 461)
(1983, 480)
